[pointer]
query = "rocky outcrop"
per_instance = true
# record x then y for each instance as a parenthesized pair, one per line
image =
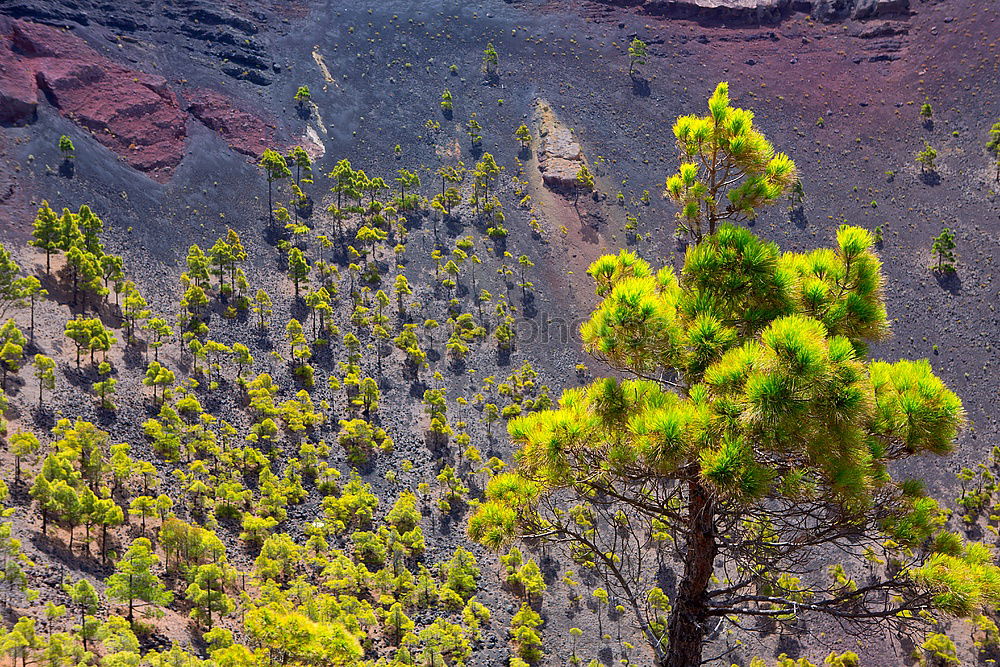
(835, 10)
(135, 114)
(244, 132)
(225, 33)
(755, 12)
(559, 154)
(724, 11)
(18, 90)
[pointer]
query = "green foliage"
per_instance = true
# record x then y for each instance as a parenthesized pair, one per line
(11, 285)
(637, 52)
(585, 178)
(461, 575)
(768, 349)
(12, 343)
(46, 233)
(66, 147)
(298, 268)
(741, 395)
(294, 638)
(524, 633)
(303, 96)
(943, 249)
(473, 129)
(713, 147)
(275, 169)
(134, 582)
(491, 60)
(360, 438)
(523, 135)
(937, 650)
(926, 158)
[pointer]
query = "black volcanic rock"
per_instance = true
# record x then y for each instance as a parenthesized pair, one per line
(202, 23)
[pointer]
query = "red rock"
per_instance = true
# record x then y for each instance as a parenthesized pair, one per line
(18, 94)
(132, 113)
(243, 131)
(136, 115)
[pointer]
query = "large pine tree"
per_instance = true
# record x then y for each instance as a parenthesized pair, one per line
(751, 442)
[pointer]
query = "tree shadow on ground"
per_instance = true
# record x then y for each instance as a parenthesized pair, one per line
(949, 281)
(640, 87)
(930, 178)
(798, 217)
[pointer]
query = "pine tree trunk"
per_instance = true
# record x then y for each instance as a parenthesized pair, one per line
(131, 600)
(686, 629)
(270, 206)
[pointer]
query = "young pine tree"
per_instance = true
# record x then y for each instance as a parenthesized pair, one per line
(993, 146)
(927, 158)
(943, 249)
(637, 51)
(11, 284)
(298, 268)
(134, 583)
(275, 169)
(302, 96)
(66, 147)
(46, 234)
(45, 372)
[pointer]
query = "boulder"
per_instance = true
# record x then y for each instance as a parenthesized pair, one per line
(866, 9)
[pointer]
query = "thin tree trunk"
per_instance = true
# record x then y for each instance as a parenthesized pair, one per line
(270, 215)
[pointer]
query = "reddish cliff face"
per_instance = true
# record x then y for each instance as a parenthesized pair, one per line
(135, 114)
(244, 132)
(18, 90)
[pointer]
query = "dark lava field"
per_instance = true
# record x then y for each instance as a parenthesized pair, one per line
(170, 104)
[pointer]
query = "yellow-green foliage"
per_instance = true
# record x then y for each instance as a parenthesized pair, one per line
(845, 659)
(728, 169)
(937, 650)
(774, 405)
(962, 584)
(793, 385)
